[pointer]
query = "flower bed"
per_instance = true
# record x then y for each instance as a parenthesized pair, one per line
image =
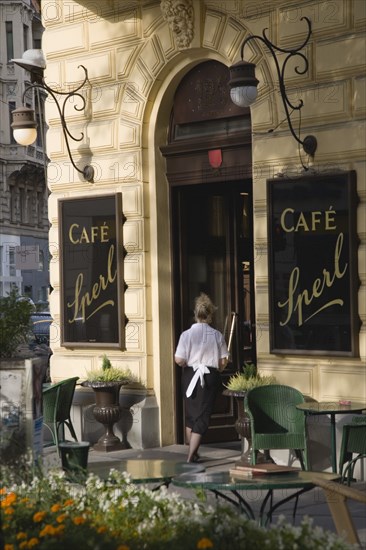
(53, 513)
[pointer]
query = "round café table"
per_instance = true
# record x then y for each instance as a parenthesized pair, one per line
(332, 408)
(242, 491)
(157, 471)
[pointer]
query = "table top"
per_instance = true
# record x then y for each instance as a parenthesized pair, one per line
(327, 407)
(226, 481)
(145, 470)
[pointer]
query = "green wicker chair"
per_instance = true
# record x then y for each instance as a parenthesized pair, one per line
(57, 400)
(275, 422)
(353, 442)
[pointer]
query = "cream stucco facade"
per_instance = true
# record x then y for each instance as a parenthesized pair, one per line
(135, 61)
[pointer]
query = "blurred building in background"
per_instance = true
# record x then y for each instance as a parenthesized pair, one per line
(24, 257)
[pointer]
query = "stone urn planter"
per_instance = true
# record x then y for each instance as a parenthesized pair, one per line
(106, 383)
(107, 411)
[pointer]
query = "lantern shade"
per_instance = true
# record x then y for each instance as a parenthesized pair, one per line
(25, 136)
(243, 83)
(24, 126)
(243, 96)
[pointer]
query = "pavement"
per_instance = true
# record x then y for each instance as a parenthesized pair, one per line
(215, 458)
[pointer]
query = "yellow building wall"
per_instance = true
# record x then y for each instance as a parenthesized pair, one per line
(135, 63)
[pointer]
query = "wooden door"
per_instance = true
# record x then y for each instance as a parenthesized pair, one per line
(213, 253)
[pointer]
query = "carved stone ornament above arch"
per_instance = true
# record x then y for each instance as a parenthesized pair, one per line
(29, 174)
(179, 14)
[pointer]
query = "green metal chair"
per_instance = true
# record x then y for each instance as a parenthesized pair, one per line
(57, 400)
(353, 442)
(275, 421)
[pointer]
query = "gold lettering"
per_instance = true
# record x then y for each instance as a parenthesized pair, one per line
(304, 298)
(104, 233)
(81, 303)
(84, 236)
(292, 285)
(329, 218)
(315, 220)
(283, 216)
(301, 222)
(94, 234)
(72, 227)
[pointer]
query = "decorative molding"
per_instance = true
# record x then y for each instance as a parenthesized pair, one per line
(179, 14)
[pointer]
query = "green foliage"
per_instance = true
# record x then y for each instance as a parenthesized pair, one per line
(52, 513)
(113, 374)
(15, 323)
(108, 373)
(249, 378)
(106, 364)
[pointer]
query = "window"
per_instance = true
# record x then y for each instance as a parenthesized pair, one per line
(25, 36)
(39, 133)
(12, 270)
(39, 209)
(43, 294)
(9, 40)
(11, 109)
(28, 291)
(41, 261)
(13, 203)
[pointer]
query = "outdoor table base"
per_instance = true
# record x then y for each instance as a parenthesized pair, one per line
(331, 409)
(222, 483)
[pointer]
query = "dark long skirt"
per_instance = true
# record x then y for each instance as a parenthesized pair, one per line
(199, 406)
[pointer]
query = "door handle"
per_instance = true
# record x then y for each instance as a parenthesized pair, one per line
(232, 328)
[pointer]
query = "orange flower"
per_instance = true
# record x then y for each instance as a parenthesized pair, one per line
(33, 542)
(3, 491)
(38, 517)
(9, 547)
(8, 500)
(47, 530)
(21, 535)
(23, 544)
(59, 529)
(204, 543)
(102, 529)
(9, 511)
(78, 520)
(61, 518)
(68, 502)
(55, 507)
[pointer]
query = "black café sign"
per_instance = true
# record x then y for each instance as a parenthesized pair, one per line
(313, 264)
(91, 263)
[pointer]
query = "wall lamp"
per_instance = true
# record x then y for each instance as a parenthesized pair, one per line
(243, 83)
(24, 123)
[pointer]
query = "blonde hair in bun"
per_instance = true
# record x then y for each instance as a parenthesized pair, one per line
(204, 309)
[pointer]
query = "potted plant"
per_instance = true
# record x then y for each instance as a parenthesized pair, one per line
(22, 372)
(106, 383)
(238, 386)
(15, 324)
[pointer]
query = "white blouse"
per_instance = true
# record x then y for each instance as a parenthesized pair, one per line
(201, 347)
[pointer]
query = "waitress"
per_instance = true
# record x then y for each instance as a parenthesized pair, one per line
(203, 354)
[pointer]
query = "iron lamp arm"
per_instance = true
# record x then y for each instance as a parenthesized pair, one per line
(88, 171)
(309, 143)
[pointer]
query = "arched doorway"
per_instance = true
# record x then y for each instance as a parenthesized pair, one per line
(208, 159)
